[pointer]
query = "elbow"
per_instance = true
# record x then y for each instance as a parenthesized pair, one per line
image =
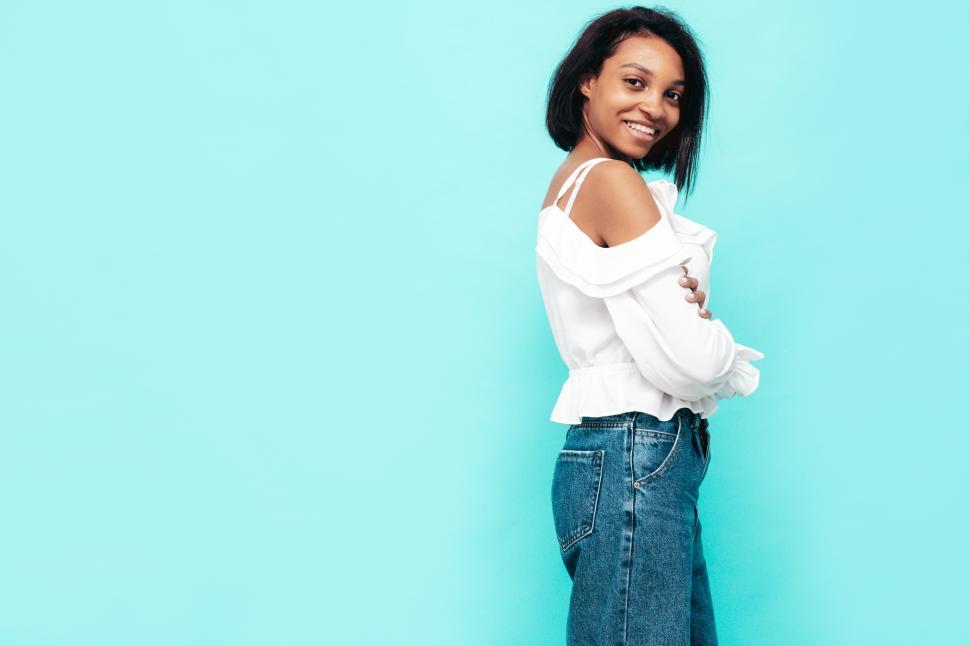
(688, 378)
(710, 363)
(708, 370)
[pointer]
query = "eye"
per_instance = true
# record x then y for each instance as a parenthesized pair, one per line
(679, 96)
(635, 80)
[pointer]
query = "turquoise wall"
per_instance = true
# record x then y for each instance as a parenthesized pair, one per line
(275, 368)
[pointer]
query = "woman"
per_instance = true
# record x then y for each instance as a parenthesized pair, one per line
(624, 281)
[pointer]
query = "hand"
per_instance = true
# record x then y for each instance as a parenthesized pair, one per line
(694, 296)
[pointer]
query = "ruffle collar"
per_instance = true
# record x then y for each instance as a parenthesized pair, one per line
(687, 230)
(606, 271)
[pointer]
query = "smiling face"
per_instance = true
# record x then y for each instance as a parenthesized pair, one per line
(640, 87)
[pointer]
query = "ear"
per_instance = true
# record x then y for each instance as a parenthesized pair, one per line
(586, 85)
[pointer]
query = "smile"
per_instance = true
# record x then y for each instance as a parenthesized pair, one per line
(643, 133)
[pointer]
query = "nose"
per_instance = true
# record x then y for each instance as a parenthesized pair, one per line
(652, 105)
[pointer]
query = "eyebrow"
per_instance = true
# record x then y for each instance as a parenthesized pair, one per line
(643, 69)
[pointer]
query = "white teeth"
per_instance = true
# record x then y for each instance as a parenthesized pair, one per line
(637, 126)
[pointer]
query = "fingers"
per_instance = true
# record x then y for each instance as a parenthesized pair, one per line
(696, 297)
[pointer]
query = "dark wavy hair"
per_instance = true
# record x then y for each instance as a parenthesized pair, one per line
(678, 151)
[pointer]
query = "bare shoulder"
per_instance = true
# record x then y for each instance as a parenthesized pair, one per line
(617, 203)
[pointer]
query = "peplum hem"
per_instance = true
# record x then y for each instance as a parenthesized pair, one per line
(617, 388)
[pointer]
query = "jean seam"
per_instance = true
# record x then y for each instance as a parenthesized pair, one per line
(707, 452)
(632, 438)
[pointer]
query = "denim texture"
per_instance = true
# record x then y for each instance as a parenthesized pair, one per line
(624, 498)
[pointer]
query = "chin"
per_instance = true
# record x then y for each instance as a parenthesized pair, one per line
(638, 153)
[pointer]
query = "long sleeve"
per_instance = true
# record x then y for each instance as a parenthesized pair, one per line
(674, 348)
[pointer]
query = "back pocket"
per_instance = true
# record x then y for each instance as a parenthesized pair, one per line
(575, 494)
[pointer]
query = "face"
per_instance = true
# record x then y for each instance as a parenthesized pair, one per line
(640, 86)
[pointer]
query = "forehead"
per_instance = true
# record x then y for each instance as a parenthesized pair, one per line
(650, 51)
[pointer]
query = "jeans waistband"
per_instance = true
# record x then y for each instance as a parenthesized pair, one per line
(692, 419)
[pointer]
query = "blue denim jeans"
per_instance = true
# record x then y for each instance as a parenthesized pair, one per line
(624, 500)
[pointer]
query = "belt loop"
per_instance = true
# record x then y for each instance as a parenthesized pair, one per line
(689, 417)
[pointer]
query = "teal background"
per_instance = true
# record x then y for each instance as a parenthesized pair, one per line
(275, 368)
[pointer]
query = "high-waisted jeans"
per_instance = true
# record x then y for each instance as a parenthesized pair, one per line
(624, 500)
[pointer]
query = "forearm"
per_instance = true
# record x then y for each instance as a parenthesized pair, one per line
(676, 349)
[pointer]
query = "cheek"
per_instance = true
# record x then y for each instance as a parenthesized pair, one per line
(673, 120)
(620, 102)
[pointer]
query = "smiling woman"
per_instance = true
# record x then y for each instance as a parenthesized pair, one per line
(646, 365)
(637, 65)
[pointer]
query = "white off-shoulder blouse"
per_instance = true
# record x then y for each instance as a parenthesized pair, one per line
(620, 321)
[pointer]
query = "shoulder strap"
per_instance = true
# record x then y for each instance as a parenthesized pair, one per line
(581, 171)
